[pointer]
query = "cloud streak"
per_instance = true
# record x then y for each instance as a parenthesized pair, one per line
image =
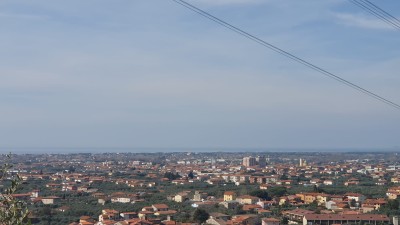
(361, 21)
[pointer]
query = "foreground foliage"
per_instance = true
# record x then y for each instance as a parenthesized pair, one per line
(12, 210)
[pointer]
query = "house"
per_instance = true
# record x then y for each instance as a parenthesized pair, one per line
(375, 203)
(144, 214)
(160, 207)
(63, 208)
(181, 197)
(24, 197)
(108, 214)
(330, 205)
(229, 204)
(264, 212)
(311, 219)
(352, 182)
(395, 180)
(296, 215)
(165, 213)
(217, 219)
(86, 220)
(322, 198)
(35, 193)
(264, 186)
(135, 221)
(337, 198)
(121, 199)
(308, 197)
(266, 204)
(50, 200)
(229, 196)
(381, 182)
(128, 215)
(247, 199)
(392, 195)
(244, 220)
(199, 196)
(367, 208)
(251, 207)
(356, 196)
(270, 221)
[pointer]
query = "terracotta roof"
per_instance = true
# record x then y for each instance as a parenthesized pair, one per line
(374, 217)
(298, 212)
(160, 206)
(270, 220)
(250, 207)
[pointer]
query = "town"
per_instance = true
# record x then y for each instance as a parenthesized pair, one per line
(220, 188)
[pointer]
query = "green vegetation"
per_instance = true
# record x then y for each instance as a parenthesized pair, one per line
(261, 194)
(12, 211)
(200, 215)
(171, 176)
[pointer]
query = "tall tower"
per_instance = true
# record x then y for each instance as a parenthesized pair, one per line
(301, 162)
(261, 161)
(249, 161)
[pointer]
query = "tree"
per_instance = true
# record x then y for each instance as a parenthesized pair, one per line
(171, 176)
(353, 203)
(283, 177)
(191, 175)
(261, 194)
(12, 211)
(200, 215)
(277, 191)
(393, 204)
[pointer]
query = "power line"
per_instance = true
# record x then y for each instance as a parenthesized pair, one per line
(383, 11)
(285, 53)
(377, 12)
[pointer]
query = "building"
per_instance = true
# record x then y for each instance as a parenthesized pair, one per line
(327, 219)
(160, 207)
(249, 161)
(50, 200)
(181, 197)
(270, 221)
(296, 215)
(261, 161)
(229, 196)
(218, 219)
(230, 204)
(247, 199)
(199, 196)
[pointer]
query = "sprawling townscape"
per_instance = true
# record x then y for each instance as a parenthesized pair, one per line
(208, 188)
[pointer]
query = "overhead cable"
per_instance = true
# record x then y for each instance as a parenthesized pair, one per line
(285, 53)
(377, 12)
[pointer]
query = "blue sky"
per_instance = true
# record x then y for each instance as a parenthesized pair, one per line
(150, 73)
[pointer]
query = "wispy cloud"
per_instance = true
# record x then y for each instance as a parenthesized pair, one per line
(21, 16)
(359, 20)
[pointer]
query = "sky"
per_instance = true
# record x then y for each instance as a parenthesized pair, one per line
(151, 73)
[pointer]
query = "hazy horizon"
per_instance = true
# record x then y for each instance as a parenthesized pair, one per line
(60, 150)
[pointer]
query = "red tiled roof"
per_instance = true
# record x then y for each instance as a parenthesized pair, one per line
(271, 220)
(374, 217)
(160, 206)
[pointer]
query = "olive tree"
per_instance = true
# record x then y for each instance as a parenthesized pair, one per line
(12, 210)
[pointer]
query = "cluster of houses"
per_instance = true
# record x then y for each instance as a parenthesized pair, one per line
(332, 209)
